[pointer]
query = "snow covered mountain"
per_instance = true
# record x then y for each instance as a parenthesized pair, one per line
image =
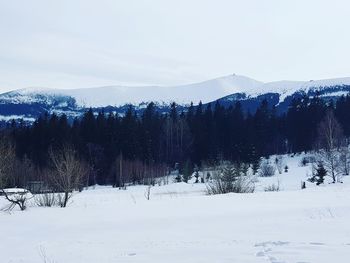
(206, 91)
(31, 102)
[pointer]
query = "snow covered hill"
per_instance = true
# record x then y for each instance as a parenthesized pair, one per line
(206, 91)
(31, 102)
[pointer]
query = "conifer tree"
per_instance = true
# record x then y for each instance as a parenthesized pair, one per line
(321, 173)
(187, 171)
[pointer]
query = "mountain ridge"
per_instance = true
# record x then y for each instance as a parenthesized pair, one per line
(205, 91)
(31, 102)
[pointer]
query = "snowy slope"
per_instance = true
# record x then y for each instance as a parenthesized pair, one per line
(181, 224)
(206, 91)
(287, 88)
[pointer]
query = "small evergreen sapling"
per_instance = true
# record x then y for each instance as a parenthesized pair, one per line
(176, 171)
(320, 174)
(196, 174)
(208, 176)
(178, 178)
(255, 164)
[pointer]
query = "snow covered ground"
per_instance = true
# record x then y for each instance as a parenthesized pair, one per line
(180, 223)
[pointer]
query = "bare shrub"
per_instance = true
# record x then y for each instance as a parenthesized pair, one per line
(272, 188)
(61, 199)
(46, 199)
(266, 169)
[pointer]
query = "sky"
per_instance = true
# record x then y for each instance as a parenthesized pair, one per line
(85, 43)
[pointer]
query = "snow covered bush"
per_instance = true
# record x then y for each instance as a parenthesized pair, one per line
(266, 169)
(230, 180)
(279, 162)
(147, 192)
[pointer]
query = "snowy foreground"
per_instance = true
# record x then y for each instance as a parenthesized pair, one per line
(181, 224)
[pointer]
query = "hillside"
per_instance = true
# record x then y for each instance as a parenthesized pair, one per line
(30, 103)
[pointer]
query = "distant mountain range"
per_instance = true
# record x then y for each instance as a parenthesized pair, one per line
(29, 103)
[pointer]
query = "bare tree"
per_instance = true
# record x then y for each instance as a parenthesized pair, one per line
(7, 160)
(7, 163)
(344, 159)
(330, 133)
(330, 139)
(24, 172)
(19, 198)
(69, 171)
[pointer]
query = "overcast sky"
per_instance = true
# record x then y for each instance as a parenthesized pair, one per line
(74, 44)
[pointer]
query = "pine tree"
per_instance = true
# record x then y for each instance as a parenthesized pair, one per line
(230, 175)
(187, 171)
(321, 173)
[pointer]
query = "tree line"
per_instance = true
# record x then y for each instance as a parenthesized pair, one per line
(140, 147)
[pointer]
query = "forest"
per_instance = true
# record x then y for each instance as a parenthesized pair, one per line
(129, 148)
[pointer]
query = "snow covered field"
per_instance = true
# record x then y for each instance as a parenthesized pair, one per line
(180, 223)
